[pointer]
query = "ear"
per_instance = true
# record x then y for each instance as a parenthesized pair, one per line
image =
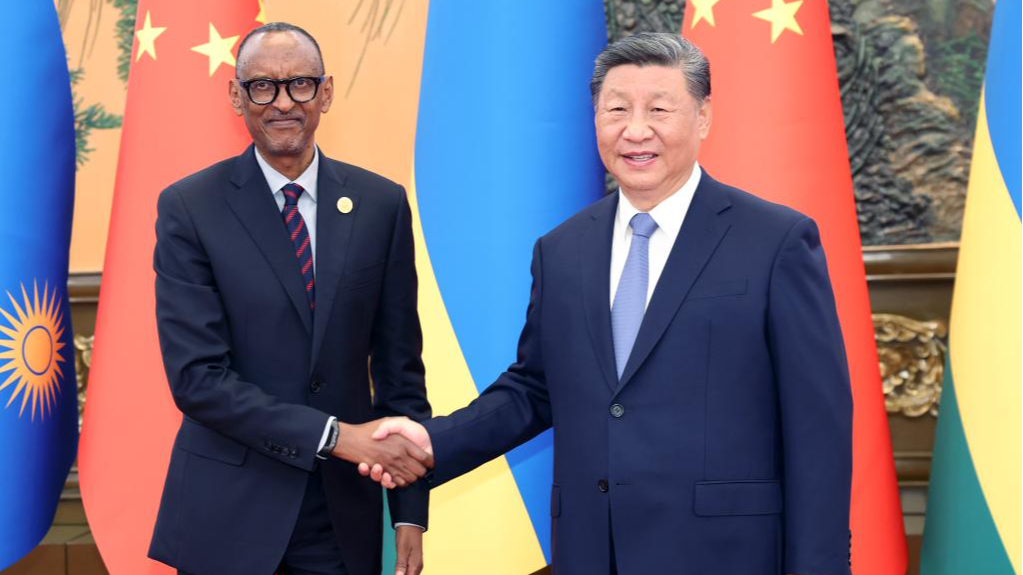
(235, 95)
(328, 94)
(703, 118)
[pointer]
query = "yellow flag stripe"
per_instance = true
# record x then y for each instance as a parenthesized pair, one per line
(986, 338)
(478, 523)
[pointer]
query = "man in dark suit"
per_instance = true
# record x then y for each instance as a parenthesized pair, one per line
(682, 340)
(286, 305)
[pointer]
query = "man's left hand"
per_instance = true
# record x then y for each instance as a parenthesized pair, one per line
(409, 541)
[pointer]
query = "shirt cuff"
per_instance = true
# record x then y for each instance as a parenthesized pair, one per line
(326, 434)
(397, 525)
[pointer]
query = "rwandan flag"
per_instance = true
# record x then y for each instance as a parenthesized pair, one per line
(504, 152)
(38, 400)
(482, 111)
(973, 506)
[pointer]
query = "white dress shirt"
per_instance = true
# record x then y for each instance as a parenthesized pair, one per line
(306, 202)
(669, 215)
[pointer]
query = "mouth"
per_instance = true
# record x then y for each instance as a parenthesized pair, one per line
(640, 158)
(284, 123)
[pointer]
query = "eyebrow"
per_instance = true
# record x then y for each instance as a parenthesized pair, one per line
(658, 94)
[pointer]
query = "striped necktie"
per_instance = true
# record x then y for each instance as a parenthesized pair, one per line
(300, 238)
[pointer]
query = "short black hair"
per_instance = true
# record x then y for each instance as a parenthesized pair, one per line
(655, 49)
(279, 27)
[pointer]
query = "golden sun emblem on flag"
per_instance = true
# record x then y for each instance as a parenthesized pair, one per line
(32, 349)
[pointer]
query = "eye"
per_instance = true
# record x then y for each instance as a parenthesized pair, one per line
(300, 82)
(261, 85)
(658, 110)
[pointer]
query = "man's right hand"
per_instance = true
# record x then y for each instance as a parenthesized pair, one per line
(387, 430)
(400, 459)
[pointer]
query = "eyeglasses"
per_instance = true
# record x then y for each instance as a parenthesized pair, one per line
(301, 89)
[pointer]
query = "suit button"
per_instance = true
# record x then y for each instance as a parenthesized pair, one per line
(617, 411)
(602, 485)
(293, 452)
(315, 386)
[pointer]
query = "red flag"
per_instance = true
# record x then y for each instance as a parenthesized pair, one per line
(777, 131)
(177, 121)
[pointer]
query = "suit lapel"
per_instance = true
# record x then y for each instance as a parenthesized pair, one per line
(701, 232)
(253, 204)
(596, 288)
(333, 236)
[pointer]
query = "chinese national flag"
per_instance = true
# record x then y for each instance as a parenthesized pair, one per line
(177, 121)
(777, 131)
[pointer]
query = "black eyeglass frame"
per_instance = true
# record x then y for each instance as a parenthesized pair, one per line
(317, 80)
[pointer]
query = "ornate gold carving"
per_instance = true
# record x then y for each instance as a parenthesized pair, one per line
(83, 361)
(912, 357)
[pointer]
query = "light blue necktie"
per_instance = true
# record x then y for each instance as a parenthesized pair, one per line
(630, 299)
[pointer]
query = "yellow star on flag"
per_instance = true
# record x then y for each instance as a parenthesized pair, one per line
(782, 17)
(147, 36)
(217, 49)
(261, 17)
(704, 11)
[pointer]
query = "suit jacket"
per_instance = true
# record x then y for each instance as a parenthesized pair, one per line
(257, 374)
(726, 446)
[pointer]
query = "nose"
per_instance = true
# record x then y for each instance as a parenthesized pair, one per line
(638, 129)
(283, 101)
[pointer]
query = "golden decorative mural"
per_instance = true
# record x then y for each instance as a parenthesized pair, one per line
(912, 358)
(83, 360)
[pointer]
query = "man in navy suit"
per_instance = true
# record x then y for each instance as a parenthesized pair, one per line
(286, 305)
(682, 340)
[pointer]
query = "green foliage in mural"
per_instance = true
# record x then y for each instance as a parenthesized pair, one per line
(87, 119)
(958, 72)
(125, 34)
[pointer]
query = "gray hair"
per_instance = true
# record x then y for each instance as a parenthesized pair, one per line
(655, 49)
(272, 27)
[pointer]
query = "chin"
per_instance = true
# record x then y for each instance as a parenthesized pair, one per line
(287, 148)
(637, 184)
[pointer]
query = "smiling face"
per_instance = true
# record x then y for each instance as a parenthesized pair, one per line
(282, 127)
(649, 130)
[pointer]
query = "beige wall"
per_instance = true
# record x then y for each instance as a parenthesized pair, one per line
(92, 45)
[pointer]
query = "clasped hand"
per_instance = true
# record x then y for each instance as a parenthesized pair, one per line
(393, 451)
(385, 451)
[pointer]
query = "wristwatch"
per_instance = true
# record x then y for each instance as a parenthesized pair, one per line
(328, 447)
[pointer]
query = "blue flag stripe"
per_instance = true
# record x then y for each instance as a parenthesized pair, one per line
(504, 152)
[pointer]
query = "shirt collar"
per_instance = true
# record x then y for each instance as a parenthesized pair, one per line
(668, 214)
(307, 180)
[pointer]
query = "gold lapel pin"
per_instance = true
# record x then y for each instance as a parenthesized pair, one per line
(345, 205)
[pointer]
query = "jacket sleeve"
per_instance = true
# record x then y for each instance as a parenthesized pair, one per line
(196, 346)
(396, 358)
(815, 400)
(513, 410)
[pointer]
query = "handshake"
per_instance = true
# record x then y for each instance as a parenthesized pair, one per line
(394, 451)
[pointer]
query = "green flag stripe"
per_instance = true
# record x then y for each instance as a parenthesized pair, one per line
(390, 556)
(959, 536)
